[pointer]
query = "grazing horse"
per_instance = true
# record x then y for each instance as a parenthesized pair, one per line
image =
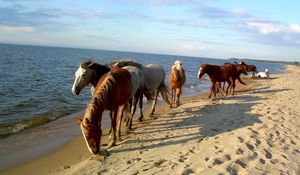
(216, 74)
(176, 81)
(250, 68)
(91, 72)
(111, 93)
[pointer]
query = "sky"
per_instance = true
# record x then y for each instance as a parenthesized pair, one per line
(256, 29)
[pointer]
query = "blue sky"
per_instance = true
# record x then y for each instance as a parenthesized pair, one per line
(259, 29)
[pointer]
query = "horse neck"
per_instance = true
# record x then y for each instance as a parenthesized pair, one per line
(94, 110)
(98, 72)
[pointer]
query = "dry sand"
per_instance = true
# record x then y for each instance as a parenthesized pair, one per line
(253, 132)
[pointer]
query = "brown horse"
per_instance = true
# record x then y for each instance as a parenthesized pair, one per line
(250, 68)
(216, 74)
(176, 81)
(240, 69)
(111, 93)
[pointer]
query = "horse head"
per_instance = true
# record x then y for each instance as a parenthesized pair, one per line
(83, 77)
(91, 133)
(243, 69)
(202, 70)
(177, 65)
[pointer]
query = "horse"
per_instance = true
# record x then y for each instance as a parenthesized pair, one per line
(90, 72)
(216, 74)
(176, 80)
(111, 93)
(250, 68)
(137, 82)
(154, 77)
(155, 84)
(241, 69)
(265, 74)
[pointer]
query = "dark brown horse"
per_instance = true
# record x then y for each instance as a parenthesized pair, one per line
(111, 93)
(227, 72)
(250, 68)
(241, 69)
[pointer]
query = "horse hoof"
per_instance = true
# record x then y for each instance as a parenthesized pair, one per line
(141, 118)
(112, 144)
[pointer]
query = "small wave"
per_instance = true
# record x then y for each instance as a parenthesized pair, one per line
(12, 127)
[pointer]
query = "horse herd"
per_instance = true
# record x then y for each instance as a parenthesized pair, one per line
(119, 85)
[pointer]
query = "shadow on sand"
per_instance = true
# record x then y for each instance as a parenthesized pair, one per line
(228, 118)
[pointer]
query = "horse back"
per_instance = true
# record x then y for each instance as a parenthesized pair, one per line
(221, 73)
(154, 76)
(118, 85)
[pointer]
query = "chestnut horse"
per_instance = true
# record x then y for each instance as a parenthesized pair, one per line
(216, 74)
(241, 69)
(250, 68)
(111, 93)
(176, 81)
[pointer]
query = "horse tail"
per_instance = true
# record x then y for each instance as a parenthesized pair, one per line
(239, 79)
(164, 93)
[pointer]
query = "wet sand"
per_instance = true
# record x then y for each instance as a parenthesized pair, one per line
(254, 132)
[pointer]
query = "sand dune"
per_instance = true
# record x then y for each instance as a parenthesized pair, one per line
(254, 132)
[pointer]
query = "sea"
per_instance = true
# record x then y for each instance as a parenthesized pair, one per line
(36, 103)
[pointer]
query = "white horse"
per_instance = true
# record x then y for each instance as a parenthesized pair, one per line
(265, 74)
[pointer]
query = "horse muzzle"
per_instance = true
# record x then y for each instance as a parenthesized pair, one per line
(75, 91)
(95, 150)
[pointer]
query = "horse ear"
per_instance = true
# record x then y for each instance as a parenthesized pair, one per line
(87, 121)
(78, 120)
(91, 64)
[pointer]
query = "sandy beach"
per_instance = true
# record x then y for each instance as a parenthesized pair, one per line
(253, 132)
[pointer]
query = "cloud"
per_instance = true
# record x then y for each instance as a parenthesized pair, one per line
(220, 14)
(162, 2)
(25, 29)
(266, 28)
(193, 47)
(295, 28)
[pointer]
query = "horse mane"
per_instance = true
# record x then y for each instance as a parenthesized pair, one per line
(101, 94)
(85, 64)
(123, 63)
(102, 90)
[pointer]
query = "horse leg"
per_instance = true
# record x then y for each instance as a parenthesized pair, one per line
(178, 95)
(154, 102)
(113, 125)
(172, 97)
(133, 108)
(141, 118)
(120, 116)
(211, 89)
(110, 130)
(128, 112)
(229, 84)
(233, 86)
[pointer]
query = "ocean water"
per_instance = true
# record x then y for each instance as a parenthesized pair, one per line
(36, 81)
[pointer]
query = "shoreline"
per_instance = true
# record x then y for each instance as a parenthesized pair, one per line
(253, 132)
(47, 153)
